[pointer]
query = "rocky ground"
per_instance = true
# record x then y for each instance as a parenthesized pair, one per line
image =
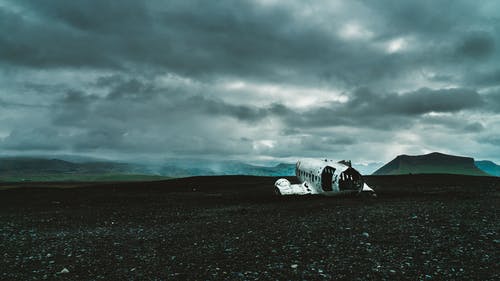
(232, 228)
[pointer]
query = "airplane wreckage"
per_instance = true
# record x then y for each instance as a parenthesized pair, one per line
(325, 177)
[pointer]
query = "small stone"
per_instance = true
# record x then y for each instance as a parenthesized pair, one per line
(365, 234)
(64, 271)
(294, 265)
(392, 271)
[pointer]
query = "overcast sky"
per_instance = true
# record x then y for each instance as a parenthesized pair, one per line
(250, 80)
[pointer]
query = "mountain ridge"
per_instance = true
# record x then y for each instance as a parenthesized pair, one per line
(432, 163)
(489, 167)
(46, 168)
(33, 168)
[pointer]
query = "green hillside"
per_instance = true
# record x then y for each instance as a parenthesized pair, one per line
(79, 178)
(15, 169)
(26, 169)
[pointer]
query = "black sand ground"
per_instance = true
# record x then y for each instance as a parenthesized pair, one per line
(232, 228)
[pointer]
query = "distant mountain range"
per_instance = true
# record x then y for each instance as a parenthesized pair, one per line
(194, 167)
(89, 169)
(30, 168)
(489, 167)
(437, 163)
(23, 166)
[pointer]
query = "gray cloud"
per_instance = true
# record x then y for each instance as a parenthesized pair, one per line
(382, 110)
(491, 139)
(248, 79)
(474, 127)
(223, 38)
(485, 78)
(453, 123)
(32, 139)
(493, 101)
(426, 100)
(477, 46)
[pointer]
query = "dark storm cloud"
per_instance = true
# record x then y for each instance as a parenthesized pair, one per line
(109, 122)
(76, 107)
(215, 38)
(426, 100)
(485, 78)
(474, 127)
(32, 43)
(382, 110)
(218, 107)
(6, 104)
(94, 16)
(105, 137)
(40, 88)
(421, 101)
(230, 77)
(109, 80)
(73, 108)
(490, 139)
(459, 124)
(493, 101)
(428, 18)
(227, 38)
(450, 37)
(212, 36)
(55, 139)
(477, 46)
(137, 117)
(131, 89)
(32, 139)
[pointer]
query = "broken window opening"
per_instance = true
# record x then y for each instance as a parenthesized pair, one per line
(326, 178)
(350, 179)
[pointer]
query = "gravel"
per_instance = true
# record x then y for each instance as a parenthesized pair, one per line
(155, 234)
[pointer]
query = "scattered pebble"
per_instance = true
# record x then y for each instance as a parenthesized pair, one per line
(64, 271)
(164, 235)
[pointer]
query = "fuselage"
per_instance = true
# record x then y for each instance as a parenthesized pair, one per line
(325, 177)
(328, 176)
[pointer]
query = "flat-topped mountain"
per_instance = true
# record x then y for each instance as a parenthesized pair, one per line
(432, 163)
